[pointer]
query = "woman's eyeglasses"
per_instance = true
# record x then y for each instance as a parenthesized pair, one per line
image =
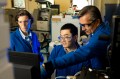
(83, 25)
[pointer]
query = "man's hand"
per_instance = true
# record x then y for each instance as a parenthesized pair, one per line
(48, 66)
(47, 70)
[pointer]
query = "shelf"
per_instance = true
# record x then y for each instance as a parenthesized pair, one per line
(42, 30)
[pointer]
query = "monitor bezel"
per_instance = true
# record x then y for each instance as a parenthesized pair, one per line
(24, 58)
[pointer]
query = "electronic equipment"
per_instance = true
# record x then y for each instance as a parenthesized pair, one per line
(26, 65)
(115, 32)
(55, 9)
(44, 3)
(115, 46)
(110, 10)
(40, 0)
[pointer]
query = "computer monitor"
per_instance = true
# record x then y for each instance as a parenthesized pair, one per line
(115, 35)
(55, 9)
(115, 45)
(26, 65)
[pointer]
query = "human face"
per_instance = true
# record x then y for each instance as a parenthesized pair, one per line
(66, 39)
(23, 23)
(87, 24)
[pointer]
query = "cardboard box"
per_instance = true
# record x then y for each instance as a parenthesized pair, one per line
(43, 25)
(56, 18)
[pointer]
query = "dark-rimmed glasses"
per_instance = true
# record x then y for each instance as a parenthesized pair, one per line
(83, 25)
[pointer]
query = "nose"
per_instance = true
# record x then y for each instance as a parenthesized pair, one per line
(62, 39)
(24, 23)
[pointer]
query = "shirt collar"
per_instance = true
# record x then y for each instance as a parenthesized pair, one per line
(23, 36)
(99, 27)
(72, 50)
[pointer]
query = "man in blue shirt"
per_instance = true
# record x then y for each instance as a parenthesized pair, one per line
(68, 39)
(94, 50)
(18, 41)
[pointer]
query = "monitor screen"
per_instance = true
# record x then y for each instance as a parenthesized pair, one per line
(115, 45)
(115, 33)
(26, 65)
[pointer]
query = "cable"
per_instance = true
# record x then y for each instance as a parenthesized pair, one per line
(70, 77)
(78, 73)
(60, 77)
(66, 77)
(108, 54)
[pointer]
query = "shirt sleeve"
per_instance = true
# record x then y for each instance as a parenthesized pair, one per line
(94, 47)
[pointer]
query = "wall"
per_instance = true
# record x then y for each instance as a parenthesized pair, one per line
(29, 4)
(64, 4)
(8, 4)
(101, 4)
(10, 12)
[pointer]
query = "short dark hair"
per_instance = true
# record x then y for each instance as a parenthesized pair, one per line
(73, 29)
(22, 13)
(93, 10)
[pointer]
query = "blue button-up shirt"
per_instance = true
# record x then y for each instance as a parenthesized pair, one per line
(95, 51)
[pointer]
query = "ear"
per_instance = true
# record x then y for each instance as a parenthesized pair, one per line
(98, 21)
(75, 37)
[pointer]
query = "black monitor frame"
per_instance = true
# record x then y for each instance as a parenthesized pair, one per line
(115, 46)
(26, 65)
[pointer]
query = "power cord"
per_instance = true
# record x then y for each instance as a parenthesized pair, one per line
(66, 77)
(78, 73)
(60, 77)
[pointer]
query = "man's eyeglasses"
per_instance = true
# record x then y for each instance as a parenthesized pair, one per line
(83, 25)
(68, 38)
